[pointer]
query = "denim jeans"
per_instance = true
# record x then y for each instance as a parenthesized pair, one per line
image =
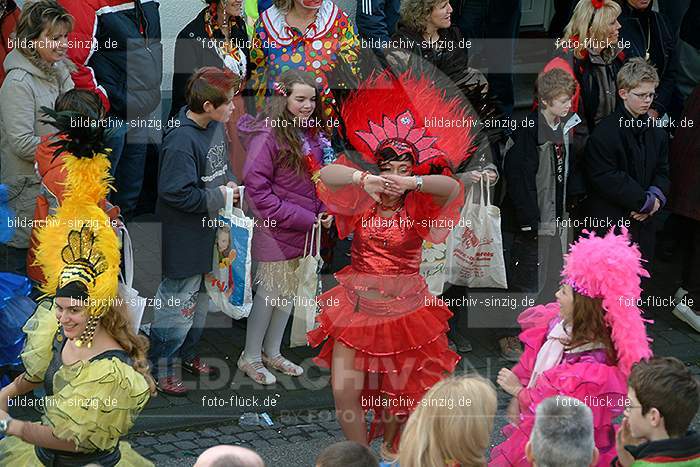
(472, 18)
(180, 311)
(128, 160)
(503, 22)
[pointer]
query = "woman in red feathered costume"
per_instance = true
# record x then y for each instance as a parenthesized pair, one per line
(384, 332)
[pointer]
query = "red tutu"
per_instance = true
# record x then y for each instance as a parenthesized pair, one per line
(402, 347)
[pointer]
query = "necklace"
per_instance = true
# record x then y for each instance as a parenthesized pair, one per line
(646, 56)
(394, 207)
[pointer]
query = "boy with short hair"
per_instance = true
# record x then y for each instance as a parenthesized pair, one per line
(536, 168)
(663, 398)
(626, 160)
(194, 174)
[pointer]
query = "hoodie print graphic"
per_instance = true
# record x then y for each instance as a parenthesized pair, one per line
(216, 162)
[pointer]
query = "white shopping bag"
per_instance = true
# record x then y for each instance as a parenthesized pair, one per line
(475, 246)
(134, 303)
(308, 289)
(229, 283)
(433, 266)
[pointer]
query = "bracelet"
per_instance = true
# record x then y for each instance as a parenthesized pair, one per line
(355, 180)
(5, 425)
(419, 183)
(363, 177)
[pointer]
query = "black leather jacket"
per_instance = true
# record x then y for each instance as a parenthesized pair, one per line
(636, 25)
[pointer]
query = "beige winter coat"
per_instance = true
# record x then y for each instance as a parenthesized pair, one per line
(25, 90)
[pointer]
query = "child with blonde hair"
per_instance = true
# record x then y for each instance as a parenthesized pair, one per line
(451, 425)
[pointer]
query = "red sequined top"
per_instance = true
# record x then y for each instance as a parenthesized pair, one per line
(386, 246)
(383, 276)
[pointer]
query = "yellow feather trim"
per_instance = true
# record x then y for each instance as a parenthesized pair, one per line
(87, 182)
(87, 178)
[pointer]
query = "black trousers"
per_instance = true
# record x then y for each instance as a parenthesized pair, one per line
(535, 265)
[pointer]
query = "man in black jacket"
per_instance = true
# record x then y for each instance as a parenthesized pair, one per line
(626, 161)
(651, 38)
(118, 54)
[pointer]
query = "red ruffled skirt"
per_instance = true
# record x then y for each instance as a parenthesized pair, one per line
(400, 341)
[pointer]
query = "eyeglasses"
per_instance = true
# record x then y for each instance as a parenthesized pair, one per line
(644, 97)
(630, 407)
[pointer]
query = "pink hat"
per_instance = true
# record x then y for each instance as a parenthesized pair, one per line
(610, 268)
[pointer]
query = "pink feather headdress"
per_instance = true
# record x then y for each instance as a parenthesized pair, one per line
(610, 268)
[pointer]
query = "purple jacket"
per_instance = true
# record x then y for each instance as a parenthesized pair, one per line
(283, 202)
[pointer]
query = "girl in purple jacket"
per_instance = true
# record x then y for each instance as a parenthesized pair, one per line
(285, 147)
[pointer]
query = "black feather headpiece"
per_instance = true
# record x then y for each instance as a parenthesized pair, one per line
(84, 136)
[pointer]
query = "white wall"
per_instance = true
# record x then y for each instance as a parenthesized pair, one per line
(174, 15)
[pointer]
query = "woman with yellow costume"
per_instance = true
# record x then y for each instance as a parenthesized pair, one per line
(80, 344)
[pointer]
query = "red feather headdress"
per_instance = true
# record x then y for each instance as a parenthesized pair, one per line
(402, 114)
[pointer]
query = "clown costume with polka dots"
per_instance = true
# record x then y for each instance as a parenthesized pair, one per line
(280, 43)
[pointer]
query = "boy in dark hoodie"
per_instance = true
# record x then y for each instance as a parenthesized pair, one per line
(194, 174)
(626, 160)
(663, 398)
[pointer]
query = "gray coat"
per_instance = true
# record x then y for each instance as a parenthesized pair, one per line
(530, 176)
(545, 179)
(25, 90)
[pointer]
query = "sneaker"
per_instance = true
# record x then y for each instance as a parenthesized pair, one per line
(256, 371)
(171, 385)
(680, 293)
(197, 367)
(461, 343)
(511, 349)
(688, 315)
(283, 365)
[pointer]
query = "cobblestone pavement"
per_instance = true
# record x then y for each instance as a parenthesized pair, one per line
(315, 429)
(293, 441)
